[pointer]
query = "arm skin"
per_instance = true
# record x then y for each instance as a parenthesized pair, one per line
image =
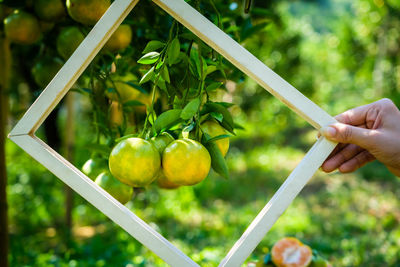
(364, 134)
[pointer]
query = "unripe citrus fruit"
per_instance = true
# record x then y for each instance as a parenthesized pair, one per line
(124, 92)
(186, 162)
(290, 252)
(213, 129)
(120, 39)
(116, 114)
(93, 167)
(22, 28)
(121, 192)
(161, 142)
(44, 70)
(49, 10)
(87, 12)
(68, 41)
(135, 162)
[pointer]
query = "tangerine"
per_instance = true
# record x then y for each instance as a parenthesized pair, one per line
(49, 10)
(135, 162)
(120, 39)
(87, 12)
(68, 41)
(290, 252)
(22, 28)
(213, 129)
(45, 69)
(186, 162)
(121, 192)
(161, 142)
(93, 167)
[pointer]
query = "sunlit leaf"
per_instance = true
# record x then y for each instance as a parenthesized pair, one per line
(149, 58)
(190, 109)
(152, 46)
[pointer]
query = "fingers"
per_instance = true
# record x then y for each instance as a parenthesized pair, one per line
(337, 159)
(343, 133)
(356, 162)
(354, 116)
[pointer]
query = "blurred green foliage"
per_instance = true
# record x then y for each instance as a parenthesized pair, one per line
(341, 54)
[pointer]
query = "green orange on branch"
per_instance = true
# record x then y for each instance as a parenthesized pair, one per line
(68, 41)
(186, 162)
(21, 27)
(49, 10)
(44, 70)
(135, 162)
(93, 167)
(213, 129)
(161, 142)
(120, 39)
(87, 12)
(121, 192)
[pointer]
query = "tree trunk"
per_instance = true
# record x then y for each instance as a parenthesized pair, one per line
(5, 66)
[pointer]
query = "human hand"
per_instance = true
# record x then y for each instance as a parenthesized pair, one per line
(364, 134)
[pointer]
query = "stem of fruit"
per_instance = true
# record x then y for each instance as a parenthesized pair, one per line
(151, 109)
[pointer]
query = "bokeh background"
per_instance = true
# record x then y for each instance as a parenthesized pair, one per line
(339, 53)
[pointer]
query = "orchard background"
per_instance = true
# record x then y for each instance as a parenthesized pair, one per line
(341, 54)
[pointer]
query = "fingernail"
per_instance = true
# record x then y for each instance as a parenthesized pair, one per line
(328, 131)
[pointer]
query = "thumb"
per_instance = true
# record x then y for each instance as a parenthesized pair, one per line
(348, 134)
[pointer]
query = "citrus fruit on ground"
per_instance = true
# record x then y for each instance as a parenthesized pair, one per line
(161, 142)
(120, 39)
(22, 28)
(87, 12)
(116, 114)
(49, 10)
(121, 192)
(186, 162)
(45, 69)
(290, 252)
(213, 129)
(135, 162)
(68, 41)
(93, 167)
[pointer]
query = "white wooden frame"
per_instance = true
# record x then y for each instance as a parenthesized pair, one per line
(23, 133)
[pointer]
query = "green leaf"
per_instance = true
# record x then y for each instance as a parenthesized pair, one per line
(132, 103)
(211, 69)
(225, 104)
(190, 109)
(217, 159)
(195, 63)
(214, 86)
(218, 137)
(166, 120)
(218, 116)
(152, 46)
(227, 121)
(149, 58)
(165, 74)
(173, 51)
(135, 86)
(147, 76)
(152, 116)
